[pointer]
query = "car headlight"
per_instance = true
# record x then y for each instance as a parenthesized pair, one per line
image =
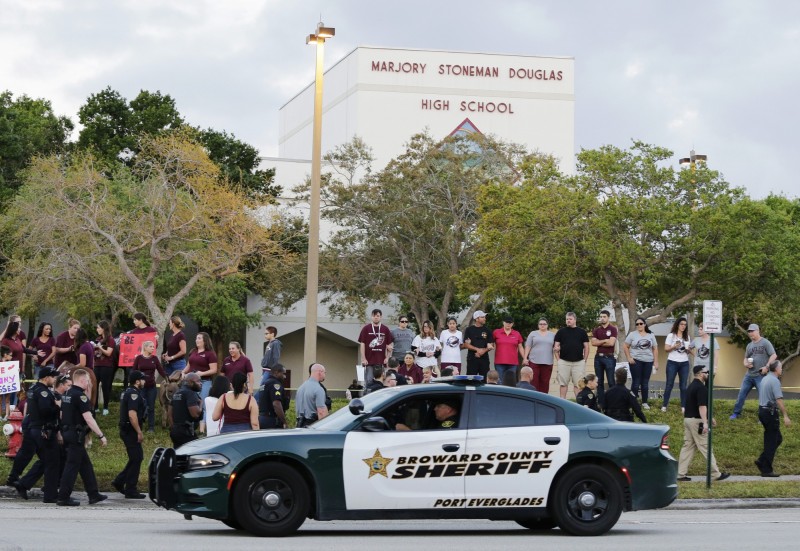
(206, 461)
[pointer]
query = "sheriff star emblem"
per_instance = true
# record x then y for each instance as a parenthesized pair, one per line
(377, 464)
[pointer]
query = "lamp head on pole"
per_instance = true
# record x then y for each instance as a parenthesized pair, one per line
(321, 33)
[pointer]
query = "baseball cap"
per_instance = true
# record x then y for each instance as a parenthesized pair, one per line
(753, 327)
(479, 314)
(136, 375)
(48, 372)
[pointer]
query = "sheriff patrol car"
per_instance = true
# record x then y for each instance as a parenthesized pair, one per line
(453, 450)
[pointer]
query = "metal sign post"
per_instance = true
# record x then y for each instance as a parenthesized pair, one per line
(712, 324)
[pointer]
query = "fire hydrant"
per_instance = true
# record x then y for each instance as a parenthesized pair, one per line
(13, 429)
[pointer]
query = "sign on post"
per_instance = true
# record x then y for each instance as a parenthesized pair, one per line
(712, 316)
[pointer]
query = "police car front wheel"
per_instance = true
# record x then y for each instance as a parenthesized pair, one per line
(587, 501)
(271, 499)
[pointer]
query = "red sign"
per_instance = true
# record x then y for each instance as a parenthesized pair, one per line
(130, 346)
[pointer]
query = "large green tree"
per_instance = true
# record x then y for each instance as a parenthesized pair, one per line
(28, 127)
(142, 237)
(407, 230)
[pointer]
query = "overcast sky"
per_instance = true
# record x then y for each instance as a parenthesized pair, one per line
(721, 77)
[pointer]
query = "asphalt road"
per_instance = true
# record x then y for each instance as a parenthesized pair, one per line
(31, 525)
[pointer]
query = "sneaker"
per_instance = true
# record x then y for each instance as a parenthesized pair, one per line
(97, 499)
(770, 475)
(645, 406)
(734, 416)
(663, 409)
(684, 479)
(105, 412)
(723, 476)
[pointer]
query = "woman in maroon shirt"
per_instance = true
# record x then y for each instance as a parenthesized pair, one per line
(140, 325)
(104, 368)
(203, 361)
(43, 343)
(237, 363)
(65, 344)
(16, 349)
(84, 349)
(175, 357)
(147, 362)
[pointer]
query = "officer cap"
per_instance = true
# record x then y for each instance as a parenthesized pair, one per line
(47, 372)
(136, 375)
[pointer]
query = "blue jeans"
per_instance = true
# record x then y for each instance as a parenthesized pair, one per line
(604, 365)
(205, 390)
(681, 369)
(748, 383)
(640, 375)
(174, 365)
(502, 368)
(150, 396)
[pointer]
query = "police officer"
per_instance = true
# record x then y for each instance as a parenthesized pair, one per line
(271, 411)
(76, 421)
(42, 433)
(619, 401)
(132, 412)
(185, 410)
(446, 413)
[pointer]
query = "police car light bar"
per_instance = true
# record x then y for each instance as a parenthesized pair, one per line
(474, 379)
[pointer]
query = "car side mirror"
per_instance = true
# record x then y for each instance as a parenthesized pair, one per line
(375, 424)
(356, 406)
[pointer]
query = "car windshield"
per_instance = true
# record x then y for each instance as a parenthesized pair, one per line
(341, 418)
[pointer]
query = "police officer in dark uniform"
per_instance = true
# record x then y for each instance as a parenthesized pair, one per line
(76, 422)
(41, 433)
(271, 411)
(619, 401)
(446, 413)
(185, 410)
(132, 412)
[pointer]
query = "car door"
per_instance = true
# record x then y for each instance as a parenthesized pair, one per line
(409, 469)
(521, 445)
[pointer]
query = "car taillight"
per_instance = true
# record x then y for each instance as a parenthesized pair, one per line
(665, 442)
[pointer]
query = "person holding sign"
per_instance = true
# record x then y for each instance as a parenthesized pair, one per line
(10, 339)
(141, 326)
(203, 361)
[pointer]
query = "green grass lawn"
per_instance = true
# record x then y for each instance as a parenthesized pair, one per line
(736, 445)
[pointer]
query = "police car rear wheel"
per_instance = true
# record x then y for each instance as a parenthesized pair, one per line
(271, 500)
(536, 524)
(587, 501)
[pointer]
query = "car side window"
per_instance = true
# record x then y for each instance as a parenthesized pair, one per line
(492, 411)
(420, 413)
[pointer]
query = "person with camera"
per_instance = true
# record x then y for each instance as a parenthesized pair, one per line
(76, 422)
(310, 400)
(696, 426)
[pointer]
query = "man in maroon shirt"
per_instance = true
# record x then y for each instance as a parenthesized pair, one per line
(604, 337)
(374, 342)
(65, 344)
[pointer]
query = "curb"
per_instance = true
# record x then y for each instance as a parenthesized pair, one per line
(736, 503)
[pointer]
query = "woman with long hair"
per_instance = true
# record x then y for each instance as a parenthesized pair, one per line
(641, 349)
(220, 386)
(203, 361)
(678, 347)
(147, 362)
(451, 340)
(43, 344)
(539, 355)
(16, 353)
(84, 349)
(237, 409)
(174, 357)
(104, 368)
(426, 346)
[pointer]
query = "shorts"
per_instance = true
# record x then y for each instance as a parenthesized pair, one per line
(567, 370)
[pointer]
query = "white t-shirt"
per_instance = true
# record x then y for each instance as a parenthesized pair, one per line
(212, 427)
(428, 344)
(451, 346)
(680, 354)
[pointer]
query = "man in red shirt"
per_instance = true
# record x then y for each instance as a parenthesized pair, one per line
(604, 337)
(374, 342)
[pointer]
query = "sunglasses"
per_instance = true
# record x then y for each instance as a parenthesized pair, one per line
(403, 321)
(639, 323)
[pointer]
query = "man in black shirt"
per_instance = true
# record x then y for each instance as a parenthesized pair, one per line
(695, 426)
(271, 413)
(571, 348)
(132, 411)
(376, 383)
(76, 422)
(525, 378)
(41, 432)
(478, 341)
(620, 401)
(186, 410)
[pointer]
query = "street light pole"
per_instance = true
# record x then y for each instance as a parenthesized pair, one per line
(312, 276)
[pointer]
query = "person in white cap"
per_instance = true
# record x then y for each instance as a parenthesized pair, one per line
(759, 354)
(478, 341)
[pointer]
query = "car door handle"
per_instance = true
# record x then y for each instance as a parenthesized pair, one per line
(450, 447)
(552, 440)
